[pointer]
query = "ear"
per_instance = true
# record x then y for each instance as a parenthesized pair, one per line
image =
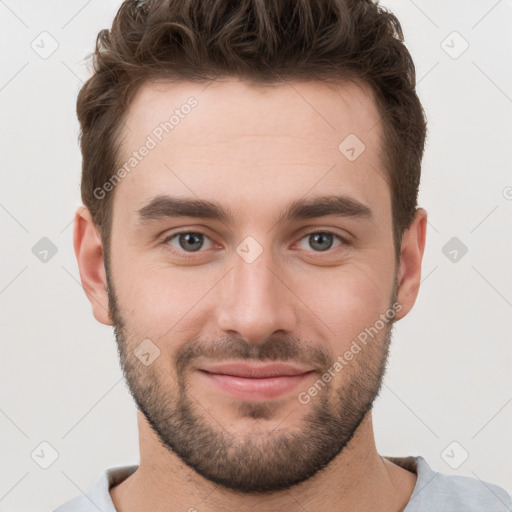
(89, 255)
(409, 273)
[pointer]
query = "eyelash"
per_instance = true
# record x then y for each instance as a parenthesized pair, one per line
(192, 254)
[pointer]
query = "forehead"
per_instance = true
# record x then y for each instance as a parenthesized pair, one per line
(297, 109)
(230, 140)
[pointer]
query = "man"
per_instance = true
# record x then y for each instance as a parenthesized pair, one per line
(251, 231)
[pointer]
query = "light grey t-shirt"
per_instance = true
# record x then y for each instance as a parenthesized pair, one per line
(433, 492)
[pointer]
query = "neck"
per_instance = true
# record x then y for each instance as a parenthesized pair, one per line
(358, 479)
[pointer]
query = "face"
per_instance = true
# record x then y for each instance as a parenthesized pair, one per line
(285, 258)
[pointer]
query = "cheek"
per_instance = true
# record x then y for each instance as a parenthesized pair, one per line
(348, 299)
(157, 298)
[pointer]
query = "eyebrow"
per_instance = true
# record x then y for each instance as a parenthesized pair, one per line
(166, 207)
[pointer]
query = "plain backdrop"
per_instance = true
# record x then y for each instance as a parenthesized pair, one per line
(448, 386)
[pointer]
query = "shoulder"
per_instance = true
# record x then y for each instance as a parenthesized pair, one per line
(97, 496)
(445, 493)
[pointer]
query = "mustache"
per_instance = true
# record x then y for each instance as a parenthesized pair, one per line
(275, 348)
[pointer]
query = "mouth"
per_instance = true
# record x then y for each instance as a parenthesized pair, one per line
(251, 382)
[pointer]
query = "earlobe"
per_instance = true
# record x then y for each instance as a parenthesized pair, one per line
(409, 273)
(89, 255)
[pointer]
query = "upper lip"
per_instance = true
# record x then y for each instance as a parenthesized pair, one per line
(255, 371)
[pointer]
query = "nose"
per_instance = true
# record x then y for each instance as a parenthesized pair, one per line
(257, 300)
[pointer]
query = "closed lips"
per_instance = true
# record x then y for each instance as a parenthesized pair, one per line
(256, 372)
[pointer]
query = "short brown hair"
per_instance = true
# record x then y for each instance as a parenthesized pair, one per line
(264, 42)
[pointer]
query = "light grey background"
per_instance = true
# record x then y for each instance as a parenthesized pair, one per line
(449, 373)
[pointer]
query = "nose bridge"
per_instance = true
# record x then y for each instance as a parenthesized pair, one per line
(255, 303)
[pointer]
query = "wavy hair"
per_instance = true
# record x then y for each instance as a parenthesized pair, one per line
(265, 42)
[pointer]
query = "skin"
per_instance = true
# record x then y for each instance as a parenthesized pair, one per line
(254, 151)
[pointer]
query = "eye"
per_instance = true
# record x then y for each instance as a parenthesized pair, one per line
(193, 241)
(321, 241)
(188, 241)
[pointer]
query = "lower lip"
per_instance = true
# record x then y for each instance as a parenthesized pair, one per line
(256, 389)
